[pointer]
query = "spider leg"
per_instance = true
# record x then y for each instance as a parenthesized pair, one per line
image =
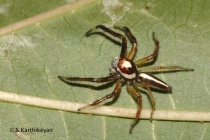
(152, 100)
(98, 80)
(138, 96)
(166, 68)
(132, 39)
(152, 56)
(114, 93)
(124, 41)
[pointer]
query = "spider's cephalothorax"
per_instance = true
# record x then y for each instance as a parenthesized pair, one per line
(125, 70)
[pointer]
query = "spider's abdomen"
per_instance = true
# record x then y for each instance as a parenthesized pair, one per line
(127, 68)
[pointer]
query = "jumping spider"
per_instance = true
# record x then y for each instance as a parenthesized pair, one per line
(125, 71)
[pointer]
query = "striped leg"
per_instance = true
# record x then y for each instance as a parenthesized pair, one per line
(138, 96)
(132, 39)
(152, 56)
(165, 68)
(98, 80)
(114, 93)
(152, 100)
(124, 41)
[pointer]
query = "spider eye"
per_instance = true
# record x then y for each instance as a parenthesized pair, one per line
(115, 62)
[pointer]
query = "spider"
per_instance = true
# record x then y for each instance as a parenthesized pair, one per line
(124, 70)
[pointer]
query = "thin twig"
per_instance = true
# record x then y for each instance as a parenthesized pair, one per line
(43, 16)
(103, 110)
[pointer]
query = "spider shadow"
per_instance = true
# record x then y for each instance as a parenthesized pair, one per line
(117, 42)
(115, 98)
(109, 37)
(100, 87)
(147, 64)
(145, 92)
(141, 91)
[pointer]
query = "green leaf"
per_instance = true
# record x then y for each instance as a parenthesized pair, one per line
(32, 58)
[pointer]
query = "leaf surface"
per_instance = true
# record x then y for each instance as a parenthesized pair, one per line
(32, 58)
